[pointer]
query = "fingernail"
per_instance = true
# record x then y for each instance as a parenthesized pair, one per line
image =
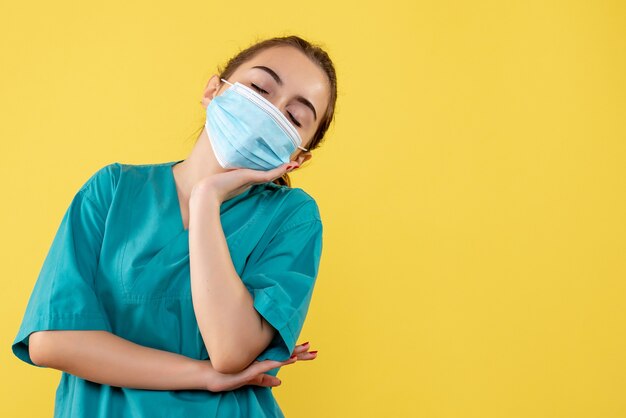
(305, 343)
(313, 352)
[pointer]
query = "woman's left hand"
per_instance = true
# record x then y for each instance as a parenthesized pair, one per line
(224, 186)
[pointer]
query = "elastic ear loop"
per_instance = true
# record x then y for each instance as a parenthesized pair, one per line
(228, 82)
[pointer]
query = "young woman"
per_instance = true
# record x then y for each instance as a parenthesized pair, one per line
(179, 289)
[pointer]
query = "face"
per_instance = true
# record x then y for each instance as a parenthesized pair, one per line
(290, 81)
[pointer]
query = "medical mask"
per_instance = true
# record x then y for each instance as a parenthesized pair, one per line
(247, 131)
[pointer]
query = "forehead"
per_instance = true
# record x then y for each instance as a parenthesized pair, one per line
(299, 74)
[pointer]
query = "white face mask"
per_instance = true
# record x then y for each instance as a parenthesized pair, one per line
(247, 131)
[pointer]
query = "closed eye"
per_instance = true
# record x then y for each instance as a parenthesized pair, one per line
(259, 89)
(294, 120)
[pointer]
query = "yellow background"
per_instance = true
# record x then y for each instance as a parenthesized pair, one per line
(472, 188)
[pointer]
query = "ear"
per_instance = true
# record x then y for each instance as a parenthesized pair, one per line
(303, 157)
(211, 90)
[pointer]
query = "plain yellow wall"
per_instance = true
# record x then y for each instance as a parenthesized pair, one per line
(472, 187)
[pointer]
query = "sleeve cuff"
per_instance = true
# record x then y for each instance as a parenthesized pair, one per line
(77, 322)
(285, 340)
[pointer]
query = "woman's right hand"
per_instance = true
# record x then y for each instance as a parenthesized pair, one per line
(255, 373)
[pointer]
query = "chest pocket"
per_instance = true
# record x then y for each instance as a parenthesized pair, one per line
(149, 271)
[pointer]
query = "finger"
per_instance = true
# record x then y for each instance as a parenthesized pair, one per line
(302, 352)
(235, 381)
(265, 366)
(281, 170)
(261, 176)
(309, 355)
(265, 380)
(301, 348)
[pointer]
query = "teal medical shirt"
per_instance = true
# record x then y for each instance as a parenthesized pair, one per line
(119, 262)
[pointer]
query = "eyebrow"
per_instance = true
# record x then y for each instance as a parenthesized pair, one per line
(278, 80)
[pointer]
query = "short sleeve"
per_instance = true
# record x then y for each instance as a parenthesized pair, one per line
(281, 281)
(64, 295)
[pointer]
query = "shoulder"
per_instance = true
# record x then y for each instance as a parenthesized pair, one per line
(101, 184)
(292, 206)
(104, 181)
(107, 183)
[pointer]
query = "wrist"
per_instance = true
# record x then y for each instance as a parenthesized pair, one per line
(203, 196)
(201, 374)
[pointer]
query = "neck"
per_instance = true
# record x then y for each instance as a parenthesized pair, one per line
(200, 163)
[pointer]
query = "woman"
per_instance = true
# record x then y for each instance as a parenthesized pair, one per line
(179, 289)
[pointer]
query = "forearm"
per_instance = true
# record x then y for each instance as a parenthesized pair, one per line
(233, 331)
(106, 358)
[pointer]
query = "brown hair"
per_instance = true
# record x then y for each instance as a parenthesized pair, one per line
(317, 55)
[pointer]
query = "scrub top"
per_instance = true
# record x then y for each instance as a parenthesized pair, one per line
(119, 262)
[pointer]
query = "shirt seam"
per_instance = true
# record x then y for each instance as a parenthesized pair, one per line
(293, 226)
